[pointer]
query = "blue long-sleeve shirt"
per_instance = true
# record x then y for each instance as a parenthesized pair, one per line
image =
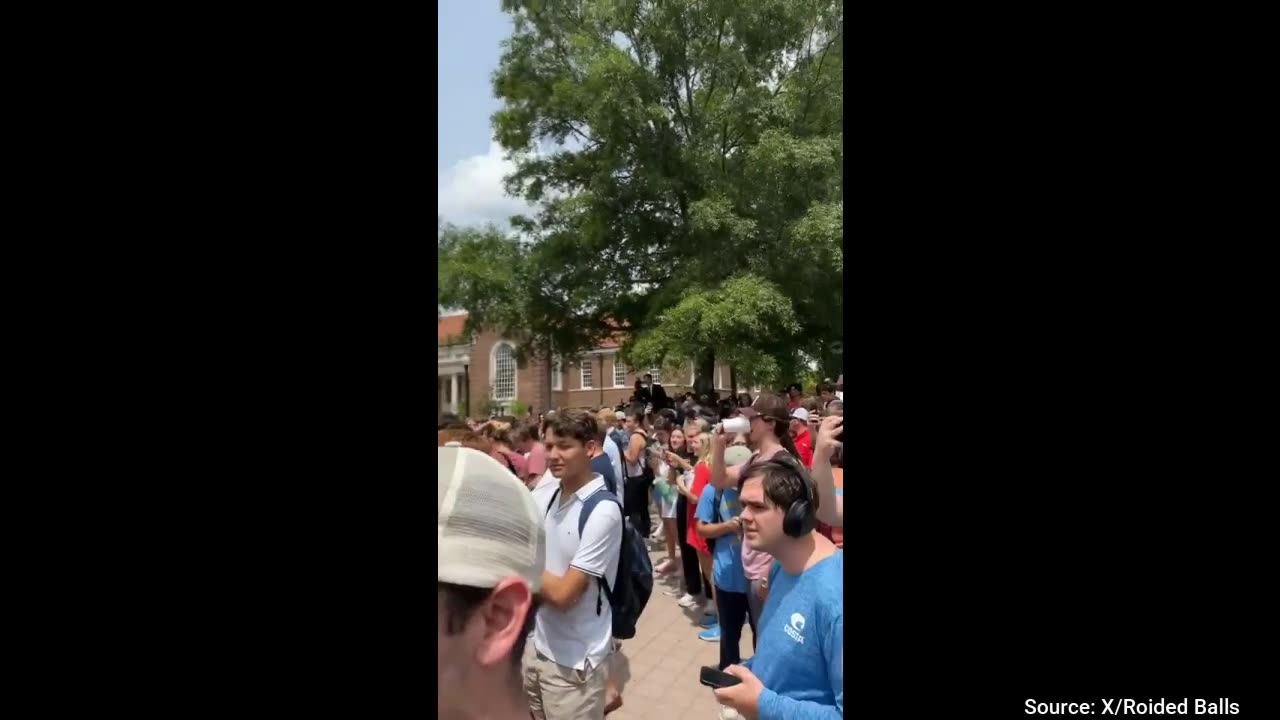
(800, 654)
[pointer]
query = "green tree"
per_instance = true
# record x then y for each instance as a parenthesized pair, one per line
(679, 152)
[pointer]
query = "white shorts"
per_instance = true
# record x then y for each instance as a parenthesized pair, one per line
(667, 507)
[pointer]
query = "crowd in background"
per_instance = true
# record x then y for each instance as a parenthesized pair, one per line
(680, 483)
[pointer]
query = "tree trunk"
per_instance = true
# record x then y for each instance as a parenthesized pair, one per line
(831, 363)
(705, 384)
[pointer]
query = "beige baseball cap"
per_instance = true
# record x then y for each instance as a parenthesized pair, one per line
(487, 523)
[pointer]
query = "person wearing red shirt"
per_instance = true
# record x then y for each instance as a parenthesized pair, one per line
(794, 391)
(800, 434)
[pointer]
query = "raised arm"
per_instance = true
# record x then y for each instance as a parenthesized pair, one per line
(721, 477)
(830, 505)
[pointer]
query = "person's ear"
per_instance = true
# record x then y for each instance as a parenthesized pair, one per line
(503, 616)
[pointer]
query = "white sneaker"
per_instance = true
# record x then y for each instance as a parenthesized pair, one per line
(687, 601)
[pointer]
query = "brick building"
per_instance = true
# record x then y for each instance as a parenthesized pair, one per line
(472, 371)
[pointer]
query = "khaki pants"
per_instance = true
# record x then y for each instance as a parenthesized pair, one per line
(562, 693)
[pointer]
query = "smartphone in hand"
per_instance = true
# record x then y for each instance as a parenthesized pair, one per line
(712, 677)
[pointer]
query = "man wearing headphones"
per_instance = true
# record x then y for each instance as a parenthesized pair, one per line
(797, 672)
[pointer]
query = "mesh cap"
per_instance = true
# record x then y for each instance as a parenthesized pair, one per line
(487, 523)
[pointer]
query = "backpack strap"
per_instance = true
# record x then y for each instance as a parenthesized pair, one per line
(587, 506)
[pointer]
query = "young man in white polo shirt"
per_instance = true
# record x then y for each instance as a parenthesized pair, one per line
(566, 669)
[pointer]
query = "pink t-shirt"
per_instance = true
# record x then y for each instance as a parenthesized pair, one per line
(756, 563)
(536, 463)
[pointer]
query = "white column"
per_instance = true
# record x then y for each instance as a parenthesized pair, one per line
(453, 392)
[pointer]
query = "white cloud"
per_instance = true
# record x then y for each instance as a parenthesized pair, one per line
(471, 191)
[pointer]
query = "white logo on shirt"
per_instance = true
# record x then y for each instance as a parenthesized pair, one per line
(796, 626)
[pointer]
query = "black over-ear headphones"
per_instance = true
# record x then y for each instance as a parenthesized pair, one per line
(801, 518)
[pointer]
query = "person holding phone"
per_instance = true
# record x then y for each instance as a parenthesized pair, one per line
(797, 672)
(830, 497)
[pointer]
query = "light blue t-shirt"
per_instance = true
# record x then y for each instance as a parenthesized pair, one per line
(726, 568)
(800, 652)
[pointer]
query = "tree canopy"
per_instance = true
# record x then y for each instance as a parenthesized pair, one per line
(686, 160)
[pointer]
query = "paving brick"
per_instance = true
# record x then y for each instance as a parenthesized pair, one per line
(661, 664)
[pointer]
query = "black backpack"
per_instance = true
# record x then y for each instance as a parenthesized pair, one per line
(635, 571)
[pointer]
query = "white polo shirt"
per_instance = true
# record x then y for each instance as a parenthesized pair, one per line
(546, 479)
(578, 636)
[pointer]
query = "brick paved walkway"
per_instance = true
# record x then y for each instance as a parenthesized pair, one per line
(659, 667)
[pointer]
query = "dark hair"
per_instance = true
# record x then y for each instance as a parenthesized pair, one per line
(462, 601)
(525, 432)
(799, 388)
(727, 408)
(635, 411)
(648, 375)
(785, 481)
(576, 424)
(744, 400)
(826, 387)
(662, 423)
(773, 410)
(787, 443)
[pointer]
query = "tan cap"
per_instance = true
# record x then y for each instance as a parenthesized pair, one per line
(487, 525)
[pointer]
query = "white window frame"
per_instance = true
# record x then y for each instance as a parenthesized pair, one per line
(693, 372)
(616, 366)
(557, 374)
(584, 367)
(719, 376)
(493, 372)
(657, 375)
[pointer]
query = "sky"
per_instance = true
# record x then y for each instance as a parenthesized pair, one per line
(470, 167)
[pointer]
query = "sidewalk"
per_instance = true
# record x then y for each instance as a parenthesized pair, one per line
(659, 666)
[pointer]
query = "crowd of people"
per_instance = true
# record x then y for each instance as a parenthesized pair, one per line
(743, 498)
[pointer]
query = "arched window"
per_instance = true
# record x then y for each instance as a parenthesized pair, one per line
(502, 367)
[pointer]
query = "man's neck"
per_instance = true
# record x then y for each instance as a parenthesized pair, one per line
(495, 706)
(571, 485)
(800, 554)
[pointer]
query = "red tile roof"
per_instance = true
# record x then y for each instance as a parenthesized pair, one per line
(448, 328)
